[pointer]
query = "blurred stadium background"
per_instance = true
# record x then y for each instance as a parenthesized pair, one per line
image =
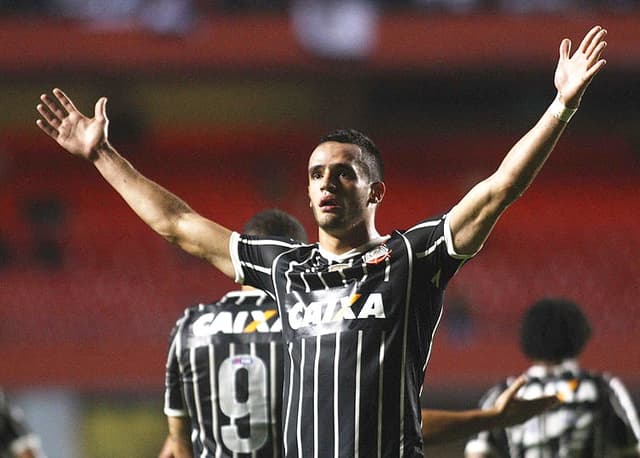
(221, 102)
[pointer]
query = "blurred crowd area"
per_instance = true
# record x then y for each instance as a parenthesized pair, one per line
(99, 9)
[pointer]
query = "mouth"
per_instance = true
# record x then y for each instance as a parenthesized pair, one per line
(328, 203)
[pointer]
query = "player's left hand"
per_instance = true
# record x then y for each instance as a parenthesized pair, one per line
(512, 410)
(575, 72)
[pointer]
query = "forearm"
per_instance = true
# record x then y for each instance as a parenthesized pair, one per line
(164, 212)
(474, 217)
(156, 206)
(179, 436)
(525, 159)
(440, 426)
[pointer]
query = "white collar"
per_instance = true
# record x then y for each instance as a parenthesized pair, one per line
(358, 250)
(540, 370)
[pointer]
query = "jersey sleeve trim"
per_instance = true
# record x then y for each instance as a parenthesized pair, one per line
(624, 406)
(448, 239)
(175, 412)
(477, 446)
(235, 258)
(24, 443)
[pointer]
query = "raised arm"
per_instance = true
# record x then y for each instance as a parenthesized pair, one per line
(164, 212)
(473, 218)
(440, 426)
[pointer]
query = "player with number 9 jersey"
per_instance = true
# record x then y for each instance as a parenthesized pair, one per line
(224, 372)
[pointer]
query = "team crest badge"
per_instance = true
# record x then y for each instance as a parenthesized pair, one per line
(377, 255)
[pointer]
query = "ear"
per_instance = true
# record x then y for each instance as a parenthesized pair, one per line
(377, 192)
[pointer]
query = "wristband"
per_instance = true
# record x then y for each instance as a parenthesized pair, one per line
(560, 111)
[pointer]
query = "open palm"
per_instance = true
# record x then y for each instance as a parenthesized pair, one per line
(75, 132)
(574, 73)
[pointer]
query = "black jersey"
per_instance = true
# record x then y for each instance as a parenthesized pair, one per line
(596, 419)
(15, 436)
(358, 329)
(224, 371)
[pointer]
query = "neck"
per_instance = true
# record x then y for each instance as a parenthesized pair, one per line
(338, 243)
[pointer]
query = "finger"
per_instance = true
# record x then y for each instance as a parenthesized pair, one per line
(100, 110)
(565, 48)
(64, 100)
(53, 107)
(512, 389)
(593, 71)
(518, 383)
(48, 115)
(543, 403)
(597, 41)
(47, 129)
(597, 52)
(586, 41)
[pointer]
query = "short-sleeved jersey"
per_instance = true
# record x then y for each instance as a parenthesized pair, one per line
(596, 419)
(224, 371)
(358, 330)
(15, 436)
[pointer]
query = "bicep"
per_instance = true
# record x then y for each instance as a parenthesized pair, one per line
(474, 216)
(205, 239)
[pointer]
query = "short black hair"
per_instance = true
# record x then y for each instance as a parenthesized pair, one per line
(372, 160)
(554, 329)
(275, 223)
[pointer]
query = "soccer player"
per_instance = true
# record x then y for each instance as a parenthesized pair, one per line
(223, 394)
(225, 373)
(359, 309)
(16, 439)
(596, 418)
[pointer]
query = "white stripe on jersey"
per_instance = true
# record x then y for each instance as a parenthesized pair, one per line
(270, 242)
(196, 398)
(423, 224)
(383, 336)
(431, 249)
(405, 328)
(252, 352)
(291, 265)
(336, 425)
(316, 365)
(322, 280)
(214, 395)
(625, 402)
(387, 270)
(356, 439)
(272, 385)
(289, 396)
(343, 276)
(264, 270)
(298, 432)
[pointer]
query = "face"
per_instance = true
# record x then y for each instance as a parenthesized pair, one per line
(339, 189)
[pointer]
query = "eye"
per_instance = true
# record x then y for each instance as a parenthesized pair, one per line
(347, 174)
(315, 174)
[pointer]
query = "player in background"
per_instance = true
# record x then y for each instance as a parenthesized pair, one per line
(359, 309)
(16, 439)
(596, 417)
(223, 389)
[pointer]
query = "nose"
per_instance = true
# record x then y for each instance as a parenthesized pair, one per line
(328, 182)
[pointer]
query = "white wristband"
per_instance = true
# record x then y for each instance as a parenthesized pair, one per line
(560, 111)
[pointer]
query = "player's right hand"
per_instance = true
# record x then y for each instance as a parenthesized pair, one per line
(78, 134)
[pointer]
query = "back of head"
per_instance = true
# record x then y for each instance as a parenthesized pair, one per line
(554, 329)
(275, 223)
(371, 158)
